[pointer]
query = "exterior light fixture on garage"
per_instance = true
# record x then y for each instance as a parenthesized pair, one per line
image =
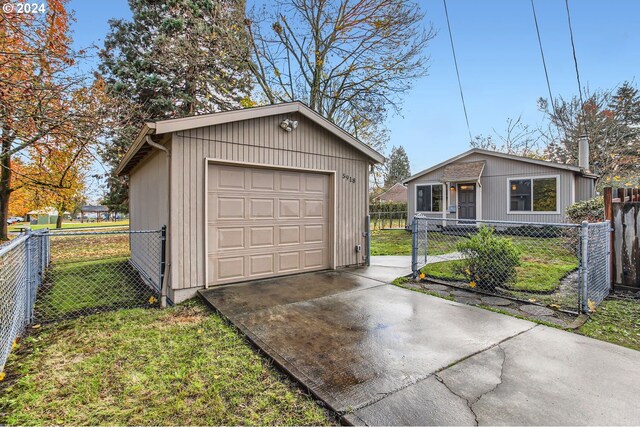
(240, 205)
(288, 124)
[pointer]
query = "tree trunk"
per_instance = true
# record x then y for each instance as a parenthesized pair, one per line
(60, 216)
(5, 189)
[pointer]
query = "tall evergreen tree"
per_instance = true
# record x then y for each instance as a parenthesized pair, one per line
(172, 59)
(399, 168)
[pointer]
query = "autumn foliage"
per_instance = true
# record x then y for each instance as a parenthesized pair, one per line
(48, 112)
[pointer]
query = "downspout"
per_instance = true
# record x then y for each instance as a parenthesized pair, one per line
(163, 285)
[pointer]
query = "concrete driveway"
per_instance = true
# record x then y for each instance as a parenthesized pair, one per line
(382, 355)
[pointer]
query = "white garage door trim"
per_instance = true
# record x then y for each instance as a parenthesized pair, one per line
(208, 161)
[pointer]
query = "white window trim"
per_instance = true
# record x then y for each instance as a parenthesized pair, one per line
(532, 212)
(415, 196)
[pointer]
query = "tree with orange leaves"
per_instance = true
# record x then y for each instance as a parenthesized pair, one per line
(43, 100)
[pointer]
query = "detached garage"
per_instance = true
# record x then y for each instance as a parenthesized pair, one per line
(250, 194)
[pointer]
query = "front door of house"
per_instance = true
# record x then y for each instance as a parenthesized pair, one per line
(466, 201)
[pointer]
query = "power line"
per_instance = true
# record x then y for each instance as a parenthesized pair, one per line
(455, 61)
(573, 48)
(544, 62)
(575, 63)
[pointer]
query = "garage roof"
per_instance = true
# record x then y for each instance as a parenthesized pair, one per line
(139, 149)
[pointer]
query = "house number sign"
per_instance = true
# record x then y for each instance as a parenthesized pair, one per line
(348, 178)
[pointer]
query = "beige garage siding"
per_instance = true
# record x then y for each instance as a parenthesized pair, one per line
(148, 209)
(266, 222)
(260, 141)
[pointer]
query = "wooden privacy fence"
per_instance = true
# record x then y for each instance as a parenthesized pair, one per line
(622, 207)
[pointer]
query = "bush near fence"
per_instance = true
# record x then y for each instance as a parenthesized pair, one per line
(386, 215)
(560, 265)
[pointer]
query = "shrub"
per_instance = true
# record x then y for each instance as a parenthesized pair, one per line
(591, 210)
(489, 261)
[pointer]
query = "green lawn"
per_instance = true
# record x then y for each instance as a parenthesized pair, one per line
(74, 224)
(79, 287)
(67, 249)
(544, 263)
(398, 242)
(390, 242)
(616, 321)
(179, 366)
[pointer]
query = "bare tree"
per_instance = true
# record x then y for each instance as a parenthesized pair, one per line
(518, 138)
(611, 122)
(349, 60)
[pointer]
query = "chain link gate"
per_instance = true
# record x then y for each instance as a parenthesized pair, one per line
(595, 266)
(564, 266)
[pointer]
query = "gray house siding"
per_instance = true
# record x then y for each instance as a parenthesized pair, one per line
(585, 188)
(260, 141)
(494, 182)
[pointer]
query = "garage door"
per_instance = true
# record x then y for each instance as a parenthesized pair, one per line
(266, 222)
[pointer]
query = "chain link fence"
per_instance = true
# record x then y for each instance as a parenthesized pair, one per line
(50, 276)
(22, 264)
(99, 271)
(596, 248)
(563, 266)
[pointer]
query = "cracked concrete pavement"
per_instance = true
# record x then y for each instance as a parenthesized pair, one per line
(381, 355)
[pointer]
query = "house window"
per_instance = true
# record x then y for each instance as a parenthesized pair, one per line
(533, 195)
(429, 198)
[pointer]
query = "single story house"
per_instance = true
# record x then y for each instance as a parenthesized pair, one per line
(249, 194)
(488, 185)
(396, 193)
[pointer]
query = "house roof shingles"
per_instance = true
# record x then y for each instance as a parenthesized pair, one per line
(470, 171)
(397, 193)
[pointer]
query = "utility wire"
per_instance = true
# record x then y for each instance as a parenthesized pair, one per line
(573, 48)
(455, 61)
(575, 63)
(544, 62)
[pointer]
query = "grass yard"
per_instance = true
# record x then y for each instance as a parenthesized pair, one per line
(616, 321)
(80, 248)
(390, 242)
(179, 366)
(74, 224)
(544, 263)
(76, 287)
(398, 242)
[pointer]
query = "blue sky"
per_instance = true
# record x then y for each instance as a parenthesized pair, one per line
(499, 60)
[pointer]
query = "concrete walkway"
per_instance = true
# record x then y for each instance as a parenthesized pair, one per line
(383, 355)
(404, 261)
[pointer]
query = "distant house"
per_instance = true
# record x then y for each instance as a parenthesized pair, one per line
(481, 184)
(396, 193)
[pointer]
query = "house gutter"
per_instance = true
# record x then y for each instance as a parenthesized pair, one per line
(165, 278)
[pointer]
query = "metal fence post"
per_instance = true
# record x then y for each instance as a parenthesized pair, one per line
(414, 247)
(163, 252)
(426, 241)
(584, 266)
(28, 314)
(367, 235)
